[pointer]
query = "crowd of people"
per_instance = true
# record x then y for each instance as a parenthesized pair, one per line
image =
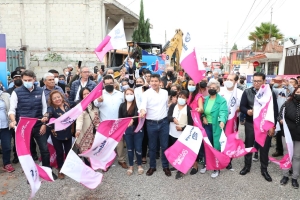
(165, 101)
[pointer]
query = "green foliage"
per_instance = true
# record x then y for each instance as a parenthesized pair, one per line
(260, 36)
(52, 57)
(142, 33)
(234, 48)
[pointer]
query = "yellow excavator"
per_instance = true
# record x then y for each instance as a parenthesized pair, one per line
(173, 49)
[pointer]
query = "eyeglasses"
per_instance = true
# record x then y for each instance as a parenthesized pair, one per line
(257, 81)
(109, 83)
(85, 72)
(213, 88)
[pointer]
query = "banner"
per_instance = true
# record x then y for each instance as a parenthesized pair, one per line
(77, 170)
(108, 135)
(69, 117)
(231, 124)
(116, 39)
(188, 60)
(31, 169)
(263, 114)
(140, 124)
(183, 153)
(3, 62)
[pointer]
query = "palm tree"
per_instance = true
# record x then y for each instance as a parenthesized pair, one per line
(260, 36)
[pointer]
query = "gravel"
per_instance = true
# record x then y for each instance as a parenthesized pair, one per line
(117, 185)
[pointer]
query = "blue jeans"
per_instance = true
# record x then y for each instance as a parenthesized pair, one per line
(5, 137)
(157, 130)
(41, 141)
(134, 143)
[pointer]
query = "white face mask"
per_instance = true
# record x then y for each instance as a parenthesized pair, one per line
(181, 101)
(67, 73)
(129, 97)
(228, 84)
(55, 81)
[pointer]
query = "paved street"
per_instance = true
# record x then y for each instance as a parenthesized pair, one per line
(117, 185)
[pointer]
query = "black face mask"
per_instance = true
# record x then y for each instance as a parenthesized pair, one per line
(170, 74)
(203, 84)
(18, 82)
(173, 93)
(109, 88)
(138, 85)
(212, 92)
(146, 88)
(297, 97)
(91, 78)
(242, 81)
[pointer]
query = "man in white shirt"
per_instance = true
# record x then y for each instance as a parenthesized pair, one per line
(227, 93)
(154, 107)
(108, 105)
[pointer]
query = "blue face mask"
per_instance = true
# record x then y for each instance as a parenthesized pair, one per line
(191, 88)
(62, 82)
(28, 85)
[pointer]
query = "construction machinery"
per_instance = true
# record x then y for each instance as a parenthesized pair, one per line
(173, 49)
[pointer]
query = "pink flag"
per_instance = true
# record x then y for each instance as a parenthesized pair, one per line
(69, 117)
(140, 124)
(183, 153)
(231, 124)
(116, 39)
(197, 121)
(215, 160)
(263, 114)
(286, 161)
(156, 66)
(109, 134)
(31, 169)
(77, 170)
(188, 60)
(235, 147)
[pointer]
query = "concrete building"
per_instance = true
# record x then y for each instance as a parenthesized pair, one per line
(238, 63)
(290, 63)
(61, 30)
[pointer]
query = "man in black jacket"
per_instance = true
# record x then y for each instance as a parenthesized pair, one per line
(246, 106)
(169, 79)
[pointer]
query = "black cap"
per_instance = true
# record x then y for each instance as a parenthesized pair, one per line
(15, 73)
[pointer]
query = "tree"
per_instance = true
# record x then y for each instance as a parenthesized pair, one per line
(260, 36)
(234, 48)
(142, 33)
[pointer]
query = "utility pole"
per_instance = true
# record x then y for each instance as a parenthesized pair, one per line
(270, 24)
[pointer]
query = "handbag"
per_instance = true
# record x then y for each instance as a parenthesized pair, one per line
(94, 127)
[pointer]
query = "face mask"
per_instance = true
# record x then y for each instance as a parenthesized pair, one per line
(181, 101)
(36, 83)
(228, 84)
(67, 73)
(28, 85)
(170, 74)
(138, 85)
(125, 87)
(203, 84)
(212, 92)
(62, 82)
(242, 81)
(109, 88)
(18, 82)
(191, 88)
(129, 98)
(297, 97)
(275, 85)
(56, 81)
(173, 93)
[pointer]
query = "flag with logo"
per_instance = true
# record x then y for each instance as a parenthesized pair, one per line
(234, 147)
(140, 124)
(197, 121)
(116, 39)
(77, 170)
(183, 153)
(286, 161)
(31, 170)
(69, 117)
(188, 59)
(108, 135)
(263, 114)
(231, 124)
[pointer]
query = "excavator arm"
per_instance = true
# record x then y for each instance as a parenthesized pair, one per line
(174, 46)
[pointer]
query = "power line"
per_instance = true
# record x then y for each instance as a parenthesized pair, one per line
(131, 3)
(244, 20)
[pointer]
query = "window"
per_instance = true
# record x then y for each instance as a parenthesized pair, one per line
(273, 68)
(292, 51)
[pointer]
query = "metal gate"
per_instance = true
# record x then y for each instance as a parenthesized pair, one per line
(15, 58)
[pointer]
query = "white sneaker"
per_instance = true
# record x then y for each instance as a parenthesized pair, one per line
(215, 174)
(203, 170)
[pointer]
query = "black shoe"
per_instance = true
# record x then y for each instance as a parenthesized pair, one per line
(179, 175)
(194, 171)
(244, 171)
(150, 171)
(173, 169)
(15, 160)
(229, 166)
(284, 180)
(295, 183)
(167, 171)
(54, 176)
(35, 157)
(277, 154)
(267, 176)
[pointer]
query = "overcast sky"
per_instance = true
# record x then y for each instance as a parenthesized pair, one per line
(207, 20)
